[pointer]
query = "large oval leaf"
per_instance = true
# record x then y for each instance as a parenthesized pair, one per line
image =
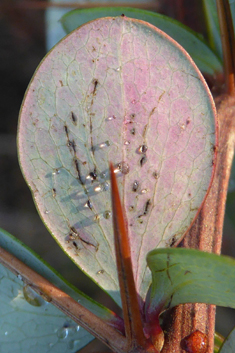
(193, 42)
(117, 90)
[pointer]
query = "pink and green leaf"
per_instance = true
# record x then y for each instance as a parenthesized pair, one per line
(117, 90)
(191, 41)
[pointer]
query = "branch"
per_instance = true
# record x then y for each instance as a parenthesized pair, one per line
(206, 235)
(70, 307)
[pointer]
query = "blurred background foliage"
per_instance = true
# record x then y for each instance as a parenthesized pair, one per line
(27, 30)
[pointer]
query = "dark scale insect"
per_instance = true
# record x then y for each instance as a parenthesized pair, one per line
(74, 231)
(143, 160)
(88, 204)
(92, 175)
(78, 170)
(135, 186)
(74, 118)
(147, 205)
(95, 82)
(72, 144)
(75, 245)
(133, 131)
(142, 149)
(66, 130)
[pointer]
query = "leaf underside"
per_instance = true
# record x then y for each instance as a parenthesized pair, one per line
(191, 41)
(117, 90)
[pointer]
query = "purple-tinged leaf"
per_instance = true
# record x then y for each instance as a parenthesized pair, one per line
(117, 90)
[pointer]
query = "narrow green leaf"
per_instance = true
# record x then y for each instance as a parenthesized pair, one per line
(229, 343)
(190, 276)
(192, 42)
(212, 22)
(218, 341)
(28, 323)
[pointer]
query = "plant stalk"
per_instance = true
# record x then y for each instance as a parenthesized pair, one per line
(70, 307)
(206, 235)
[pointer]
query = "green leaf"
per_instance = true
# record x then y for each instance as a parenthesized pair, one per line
(229, 343)
(131, 96)
(218, 341)
(190, 276)
(213, 28)
(28, 323)
(192, 42)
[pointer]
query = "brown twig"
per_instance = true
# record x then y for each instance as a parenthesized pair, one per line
(206, 233)
(89, 321)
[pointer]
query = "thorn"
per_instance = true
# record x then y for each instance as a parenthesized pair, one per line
(131, 310)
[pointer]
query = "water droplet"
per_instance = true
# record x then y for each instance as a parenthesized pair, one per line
(103, 175)
(104, 144)
(32, 297)
(111, 117)
(46, 298)
(73, 343)
(56, 172)
(142, 149)
(122, 167)
(144, 191)
(46, 212)
(6, 333)
(63, 332)
(107, 214)
(98, 188)
(105, 186)
(118, 68)
(20, 277)
(126, 143)
(135, 186)
(133, 101)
